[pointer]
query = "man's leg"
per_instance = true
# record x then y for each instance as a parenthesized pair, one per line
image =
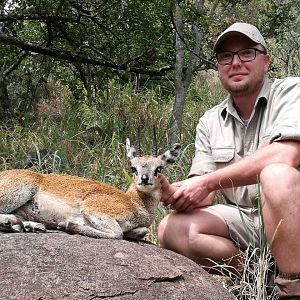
(202, 235)
(281, 213)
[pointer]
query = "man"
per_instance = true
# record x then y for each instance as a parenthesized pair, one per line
(254, 135)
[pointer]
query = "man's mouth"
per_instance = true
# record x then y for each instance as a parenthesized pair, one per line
(237, 74)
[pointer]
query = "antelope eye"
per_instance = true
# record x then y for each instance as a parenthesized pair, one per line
(157, 170)
(134, 170)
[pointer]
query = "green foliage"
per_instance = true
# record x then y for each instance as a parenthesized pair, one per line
(283, 21)
(279, 17)
(193, 15)
(125, 35)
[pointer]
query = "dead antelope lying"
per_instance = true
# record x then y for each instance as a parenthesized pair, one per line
(31, 201)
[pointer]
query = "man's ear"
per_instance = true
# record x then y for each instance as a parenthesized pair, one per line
(267, 62)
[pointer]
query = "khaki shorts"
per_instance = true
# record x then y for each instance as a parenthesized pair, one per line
(244, 224)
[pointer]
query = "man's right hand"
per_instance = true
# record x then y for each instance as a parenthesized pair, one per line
(187, 194)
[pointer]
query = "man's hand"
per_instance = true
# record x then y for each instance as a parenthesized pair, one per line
(167, 190)
(187, 194)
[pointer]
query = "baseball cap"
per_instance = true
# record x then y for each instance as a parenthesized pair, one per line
(245, 29)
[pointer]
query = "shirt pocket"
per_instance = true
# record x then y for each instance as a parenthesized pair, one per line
(222, 155)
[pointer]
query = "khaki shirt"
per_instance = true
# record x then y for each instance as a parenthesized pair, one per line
(223, 139)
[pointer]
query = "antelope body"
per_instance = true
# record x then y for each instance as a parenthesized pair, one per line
(31, 201)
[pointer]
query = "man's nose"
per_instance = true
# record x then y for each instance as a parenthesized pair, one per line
(236, 60)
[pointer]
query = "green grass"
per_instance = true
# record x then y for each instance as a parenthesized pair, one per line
(89, 140)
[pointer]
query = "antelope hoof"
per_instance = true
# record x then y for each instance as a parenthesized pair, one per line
(62, 226)
(137, 233)
(68, 227)
(39, 228)
(34, 227)
(17, 228)
(11, 223)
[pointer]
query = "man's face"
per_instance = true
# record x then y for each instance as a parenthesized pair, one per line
(243, 78)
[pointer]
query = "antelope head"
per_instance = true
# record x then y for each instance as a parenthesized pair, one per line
(146, 168)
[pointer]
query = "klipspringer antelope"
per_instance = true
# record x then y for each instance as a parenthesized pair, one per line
(31, 201)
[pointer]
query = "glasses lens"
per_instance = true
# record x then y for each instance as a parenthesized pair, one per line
(224, 58)
(246, 54)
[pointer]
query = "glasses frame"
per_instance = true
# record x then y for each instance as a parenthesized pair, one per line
(237, 53)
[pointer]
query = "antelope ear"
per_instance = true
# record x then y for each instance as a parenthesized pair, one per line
(131, 151)
(170, 155)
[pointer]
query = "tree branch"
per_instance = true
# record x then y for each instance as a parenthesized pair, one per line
(34, 17)
(73, 58)
(15, 64)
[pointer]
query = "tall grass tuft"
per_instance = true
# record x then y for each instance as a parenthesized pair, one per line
(255, 279)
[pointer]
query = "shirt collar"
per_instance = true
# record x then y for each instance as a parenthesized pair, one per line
(262, 97)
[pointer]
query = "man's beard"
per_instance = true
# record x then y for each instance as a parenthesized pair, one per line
(239, 89)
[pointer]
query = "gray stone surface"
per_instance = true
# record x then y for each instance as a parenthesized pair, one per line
(60, 266)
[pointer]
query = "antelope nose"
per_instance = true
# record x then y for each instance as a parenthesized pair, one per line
(145, 179)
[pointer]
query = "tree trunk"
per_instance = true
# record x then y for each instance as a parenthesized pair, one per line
(6, 112)
(183, 74)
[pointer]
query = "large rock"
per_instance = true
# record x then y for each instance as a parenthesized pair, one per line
(60, 266)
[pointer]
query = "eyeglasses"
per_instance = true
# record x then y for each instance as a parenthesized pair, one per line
(245, 55)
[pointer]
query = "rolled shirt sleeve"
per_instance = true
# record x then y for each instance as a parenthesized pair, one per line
(285, 110)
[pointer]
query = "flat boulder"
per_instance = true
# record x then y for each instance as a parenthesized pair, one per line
(60, 266)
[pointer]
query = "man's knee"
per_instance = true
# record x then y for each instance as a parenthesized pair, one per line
(161, 230)
(172, 231)
(274, 172)
(278, 181)
(277, 176)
